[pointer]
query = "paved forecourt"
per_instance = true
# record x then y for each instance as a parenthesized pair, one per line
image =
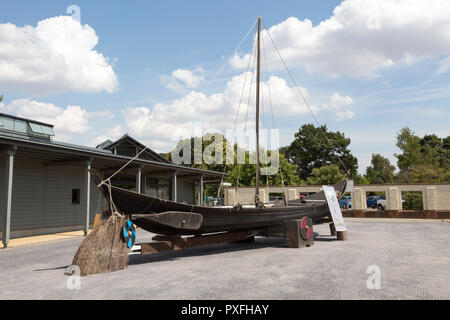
(405, 259)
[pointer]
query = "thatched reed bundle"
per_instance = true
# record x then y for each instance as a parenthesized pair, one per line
(103, 250)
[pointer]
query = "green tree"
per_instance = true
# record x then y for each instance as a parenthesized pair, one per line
(430, 174)
(413, 200)
(381, 170)
(310, 149)
(423, 159)
(196, 146)
(410, 146)
(326, 175)
(245, 174)
(361, 179)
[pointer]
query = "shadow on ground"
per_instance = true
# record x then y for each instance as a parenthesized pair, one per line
(260, 243)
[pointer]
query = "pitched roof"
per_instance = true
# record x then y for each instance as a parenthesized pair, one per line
(148, 153)
(54, 147)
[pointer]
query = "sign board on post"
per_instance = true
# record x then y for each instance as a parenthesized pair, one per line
(335, 209)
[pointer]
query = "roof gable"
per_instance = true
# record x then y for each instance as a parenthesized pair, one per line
(128, 146)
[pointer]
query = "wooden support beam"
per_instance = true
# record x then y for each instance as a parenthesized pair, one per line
(333, 230)
(294, 238)
(247, 240)
(96, 220)
(180, 243)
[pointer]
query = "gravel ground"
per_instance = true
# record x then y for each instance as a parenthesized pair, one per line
(412, 256)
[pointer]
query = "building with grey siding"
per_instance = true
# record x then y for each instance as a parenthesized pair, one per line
(45, 185)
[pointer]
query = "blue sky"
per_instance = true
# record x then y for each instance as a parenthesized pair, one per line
(394, 74)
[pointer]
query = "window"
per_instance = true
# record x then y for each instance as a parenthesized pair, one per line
(21, 126)
(75, 196)
(8, 123)
(160, 188)
(41, 129)
(14, 124)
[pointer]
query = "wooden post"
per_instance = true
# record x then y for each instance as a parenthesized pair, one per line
(293, 236)
(96, 220)
(333, 230)
(342, 235)
(258, 71)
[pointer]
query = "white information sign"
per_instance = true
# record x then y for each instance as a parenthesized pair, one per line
(335, 209)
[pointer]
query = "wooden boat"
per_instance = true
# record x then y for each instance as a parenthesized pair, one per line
(172, 218)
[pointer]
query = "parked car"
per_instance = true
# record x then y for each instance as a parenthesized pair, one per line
(372, 201)
(381, 203)
(276, 198)
(346, 202)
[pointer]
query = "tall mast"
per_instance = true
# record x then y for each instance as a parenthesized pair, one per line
(257, 109)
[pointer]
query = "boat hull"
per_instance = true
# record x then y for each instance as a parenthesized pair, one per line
(215, 219)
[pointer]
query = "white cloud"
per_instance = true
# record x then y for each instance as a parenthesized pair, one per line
(182, 79)
(344, 115)
(104, 114)
(162, 125)
(112, 134)
(67, 121)
(189, 79)
(361, 37)
(337, 101)
(55, 56)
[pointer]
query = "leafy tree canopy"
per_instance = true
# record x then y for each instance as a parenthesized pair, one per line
(205, 154)
(310, 149)
(423, 159)
(244, 174)
(326, 175)
(381, 170)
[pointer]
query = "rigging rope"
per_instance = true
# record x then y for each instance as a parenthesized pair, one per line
(303, 97)
(235, 123)
(230, 57)
(216, 75)
(271, 112)
(123, 167)
(112, 206)
(246, 118)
